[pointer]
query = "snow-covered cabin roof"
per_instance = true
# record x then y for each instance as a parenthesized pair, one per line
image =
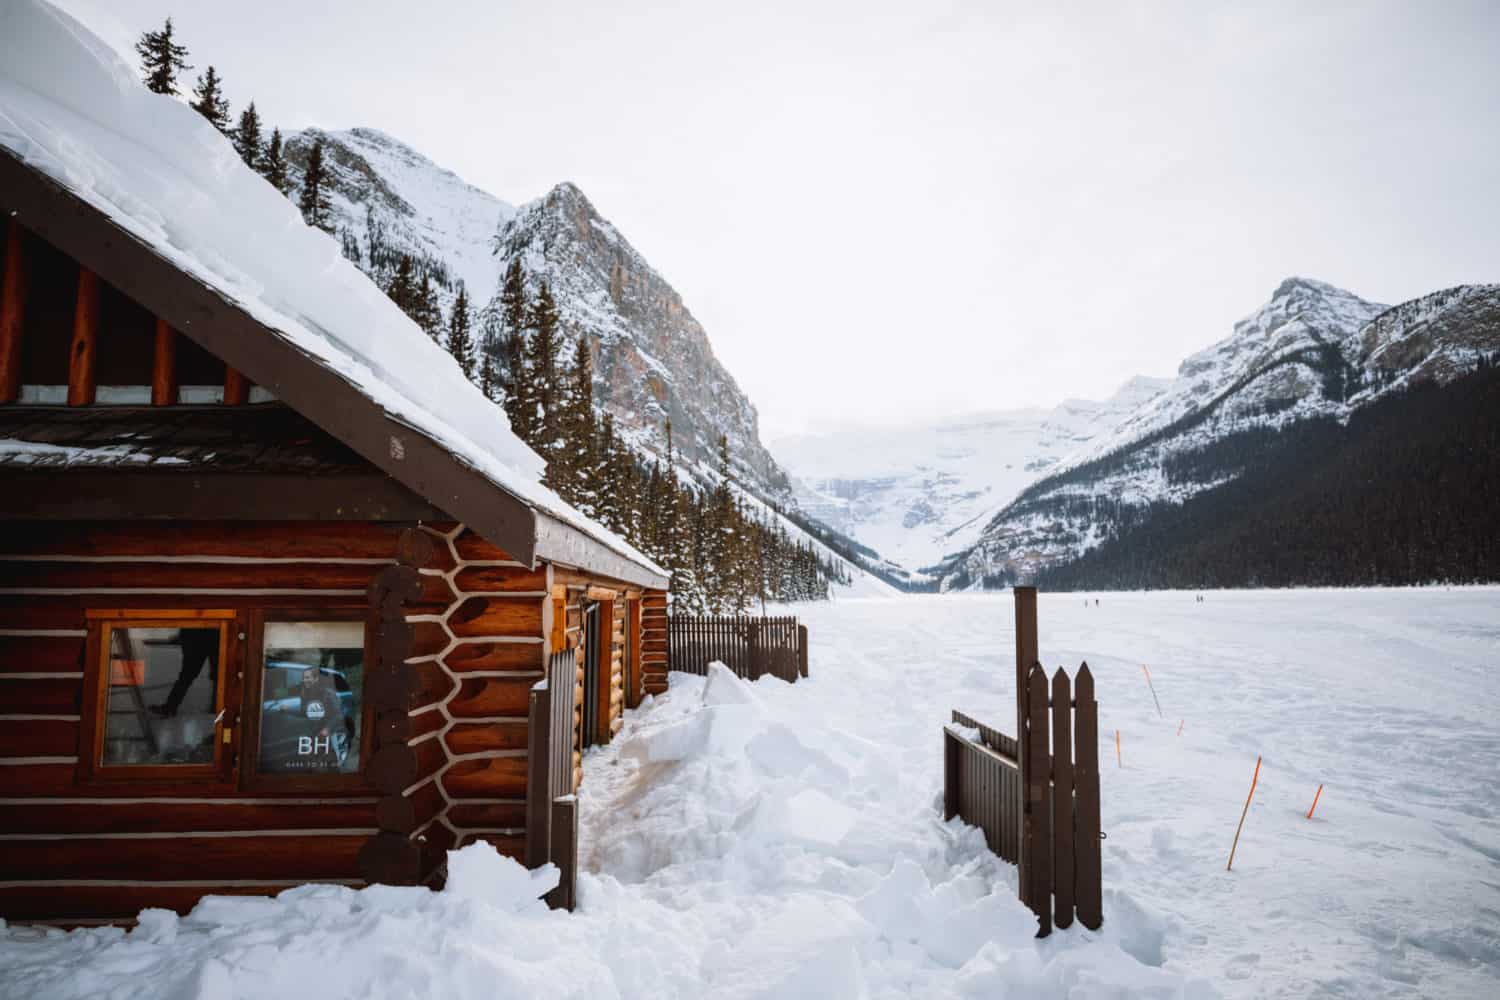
(270, 295)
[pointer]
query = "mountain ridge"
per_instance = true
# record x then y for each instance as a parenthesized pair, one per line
(1313, 351)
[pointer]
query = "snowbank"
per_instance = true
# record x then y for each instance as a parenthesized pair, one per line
(742, 852)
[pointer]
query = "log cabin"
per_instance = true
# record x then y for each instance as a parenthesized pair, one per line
(270, 607)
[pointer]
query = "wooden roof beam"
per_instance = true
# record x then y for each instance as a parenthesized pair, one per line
(164, 366)
(82, 352)
(12, 312)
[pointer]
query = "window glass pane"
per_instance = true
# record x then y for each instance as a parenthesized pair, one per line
(312, 696)
(163, 695)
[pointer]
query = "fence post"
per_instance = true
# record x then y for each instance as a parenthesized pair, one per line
(1062, 799)
(565, 852)
(952, 798)
(755, 646)
(1086, 848)
(802, 650)
(538, 779)
(1026, 650)
(1037, 842)
(1026, 655)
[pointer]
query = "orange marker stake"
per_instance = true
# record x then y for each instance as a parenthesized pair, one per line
(1118, 761)
(1153, 690)
(1316, 797)
(1179, 727)
(1236, 844)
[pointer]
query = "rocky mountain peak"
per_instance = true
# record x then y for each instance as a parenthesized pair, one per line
(653, 359)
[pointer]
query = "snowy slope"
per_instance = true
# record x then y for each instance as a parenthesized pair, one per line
(420, 207)
(786, 841)
(1312, 351)
(915, 494)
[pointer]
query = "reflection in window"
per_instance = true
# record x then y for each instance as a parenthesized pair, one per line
(312, 692)
(163, 695)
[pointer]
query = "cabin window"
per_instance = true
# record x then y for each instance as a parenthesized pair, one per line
(311, 709)
(161, 693)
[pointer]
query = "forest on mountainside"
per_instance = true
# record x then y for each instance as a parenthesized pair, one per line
(722, 552)
(1407, 492)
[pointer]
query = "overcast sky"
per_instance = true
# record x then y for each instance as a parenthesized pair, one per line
(884, 213)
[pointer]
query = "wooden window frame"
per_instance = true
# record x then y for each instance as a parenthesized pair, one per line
(251, 780)
(91, 768)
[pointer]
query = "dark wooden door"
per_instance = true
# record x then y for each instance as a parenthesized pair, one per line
(591, 626)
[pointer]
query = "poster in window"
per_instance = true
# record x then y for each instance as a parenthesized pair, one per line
(312, 696)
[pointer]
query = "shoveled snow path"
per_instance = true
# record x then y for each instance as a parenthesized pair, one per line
(1387, 697)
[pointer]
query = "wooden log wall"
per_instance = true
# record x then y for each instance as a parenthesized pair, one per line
(462, 634)
(654, 641)
(102, 850)
(476, 653)
(572, 592)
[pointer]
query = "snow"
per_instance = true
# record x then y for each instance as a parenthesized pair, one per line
(72, 109)
(776, 840)
(438, 213)
(915, 494)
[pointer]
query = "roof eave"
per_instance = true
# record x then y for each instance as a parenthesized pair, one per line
(263, 354)
(561, 543)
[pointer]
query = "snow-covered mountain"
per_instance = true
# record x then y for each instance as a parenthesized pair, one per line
(915, 494)
(652, 359)
(1312, 351)
(416, 206)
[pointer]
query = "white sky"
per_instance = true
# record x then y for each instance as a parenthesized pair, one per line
(884, 213)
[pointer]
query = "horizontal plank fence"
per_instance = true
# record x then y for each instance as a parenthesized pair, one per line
(1036, 798)
(752, 647)
(983, 788)
(551, 808)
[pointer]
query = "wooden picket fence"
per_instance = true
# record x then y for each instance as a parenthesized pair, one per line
(551, 807)
(751, 647)
(1037, 797)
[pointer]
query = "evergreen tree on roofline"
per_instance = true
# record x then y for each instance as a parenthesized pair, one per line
(161, 60)
(209, 101)
(315, 203)
(272, 165)
(246, 137)
(460, 342)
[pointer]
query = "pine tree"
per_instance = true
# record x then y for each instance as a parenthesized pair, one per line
(425, 308)
(460, 344)
(719, 532)
(272, 164)
(520, 408)
(315, 203)
(161, 60)
(349, 244)
(402, 288)
(209, 101)
(542, 375)
(580, 455)
(246, 137)
(489, 379)
(605, 477)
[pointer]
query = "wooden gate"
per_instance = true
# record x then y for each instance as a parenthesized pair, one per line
(751, 647)
(551, 808)
(1037, 797)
